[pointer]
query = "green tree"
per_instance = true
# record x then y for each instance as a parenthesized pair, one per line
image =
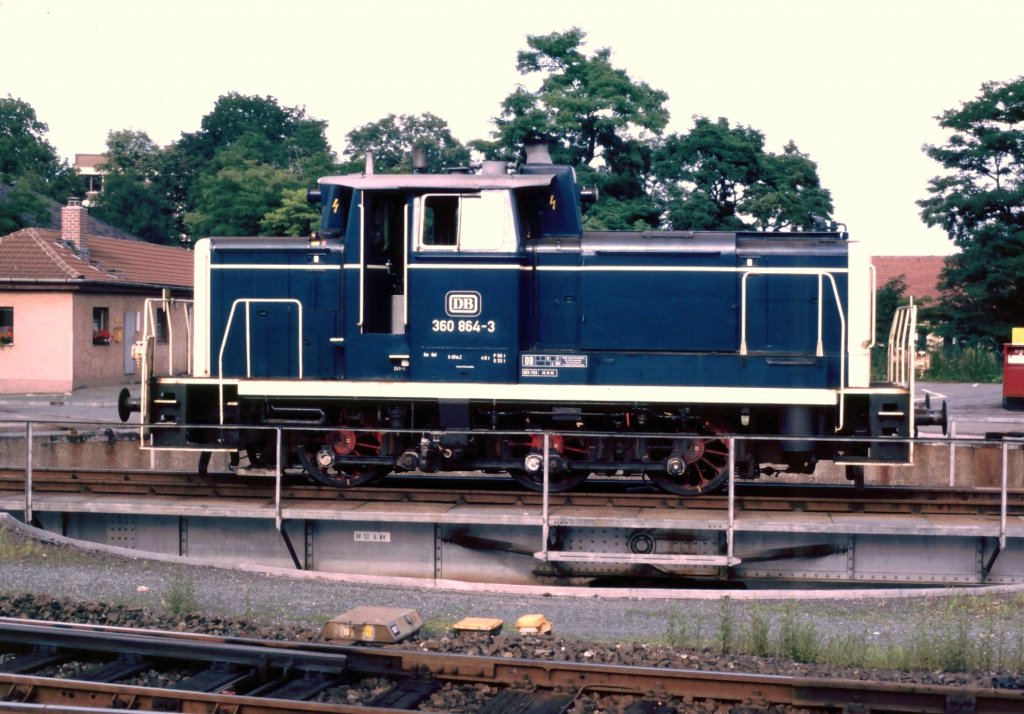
(30, 170)
(243, 139)
(132, 198)
(131, 203)
(719, 177)
(392, 140)
(979, 202)
(234, 200)
(597, 118)
(130, 150)
(20, 206)
(887, 298)
(585, 104)
(294, 217)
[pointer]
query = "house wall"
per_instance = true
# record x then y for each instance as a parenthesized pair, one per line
(106, 364)
(40, 359)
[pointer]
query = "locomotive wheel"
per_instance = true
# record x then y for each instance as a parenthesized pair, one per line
(704, 468)
(316, 456)
(562, 450)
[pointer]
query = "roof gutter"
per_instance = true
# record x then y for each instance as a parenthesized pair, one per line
(81, 282)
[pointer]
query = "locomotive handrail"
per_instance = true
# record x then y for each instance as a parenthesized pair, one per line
(819, 349)
(874, 302)
(248, 341)
(144, 350)
(901, 345)
(149, 328)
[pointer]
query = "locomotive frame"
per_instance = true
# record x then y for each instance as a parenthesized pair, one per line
(443, 322)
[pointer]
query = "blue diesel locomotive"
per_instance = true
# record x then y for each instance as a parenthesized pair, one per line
(443, 322)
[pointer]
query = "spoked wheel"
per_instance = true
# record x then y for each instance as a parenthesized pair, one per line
(692, 465)
(561, 451)
(318, 457)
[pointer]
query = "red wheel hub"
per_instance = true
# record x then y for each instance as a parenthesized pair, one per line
(556, 443)
(343, 442)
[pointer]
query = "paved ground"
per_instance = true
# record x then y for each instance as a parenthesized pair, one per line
(91, 405)
(974, 409)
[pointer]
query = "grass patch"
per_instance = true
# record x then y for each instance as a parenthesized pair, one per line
(181, 596)
(14, 547)
(437, 626)
(953, 634)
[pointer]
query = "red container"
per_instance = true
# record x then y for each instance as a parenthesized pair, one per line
(1013, 376)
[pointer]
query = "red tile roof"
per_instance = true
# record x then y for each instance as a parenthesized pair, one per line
(33, 254)
(89, 161)
(919, 272)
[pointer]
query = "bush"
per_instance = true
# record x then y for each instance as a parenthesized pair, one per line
(965, 364)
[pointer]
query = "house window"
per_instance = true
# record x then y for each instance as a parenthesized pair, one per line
(161, 325)
(93, 183)
(101, 326)
(6, 325)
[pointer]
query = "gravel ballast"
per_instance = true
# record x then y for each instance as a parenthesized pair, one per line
(61, 581)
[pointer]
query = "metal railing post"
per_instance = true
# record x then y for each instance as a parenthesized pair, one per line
(732, 500)
(545, 528)
(277, 480)
(952, 453)
(1003, 499)
(28, 472)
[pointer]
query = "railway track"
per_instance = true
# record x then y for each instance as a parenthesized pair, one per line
(47, 666)
(495, 491)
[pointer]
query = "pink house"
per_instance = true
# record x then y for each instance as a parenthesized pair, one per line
(72, 303)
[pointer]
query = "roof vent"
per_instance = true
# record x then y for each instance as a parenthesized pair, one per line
(537, 152)
(493, 168)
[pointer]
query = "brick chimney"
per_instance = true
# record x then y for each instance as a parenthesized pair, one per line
(74, 225)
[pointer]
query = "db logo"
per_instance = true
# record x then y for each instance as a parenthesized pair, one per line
(464, 303)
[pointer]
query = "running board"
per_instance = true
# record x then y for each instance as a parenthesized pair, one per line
(635, 558)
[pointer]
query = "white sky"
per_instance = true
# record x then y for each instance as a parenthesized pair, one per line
(855, 84)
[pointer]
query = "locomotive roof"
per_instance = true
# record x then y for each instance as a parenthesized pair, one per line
(427, 182)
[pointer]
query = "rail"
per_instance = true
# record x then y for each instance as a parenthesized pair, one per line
(545, 520)
(249, 676)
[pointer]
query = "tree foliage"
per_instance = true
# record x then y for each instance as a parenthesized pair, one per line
(213, 176)
(585, 103)
(294, 217)
(597, 118)
(719, 177)
(393, 138)
(133, 199)
(131, 151)
(131, 202)
(979, 202)
(30, 170)
(234, 200)
(887, 298)
(20, 206)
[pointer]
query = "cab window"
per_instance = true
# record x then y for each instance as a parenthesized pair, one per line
(467, 222)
